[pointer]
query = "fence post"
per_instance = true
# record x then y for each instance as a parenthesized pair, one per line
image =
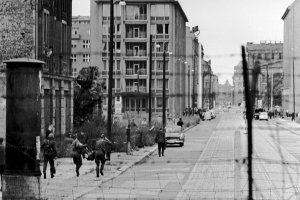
(128, 139)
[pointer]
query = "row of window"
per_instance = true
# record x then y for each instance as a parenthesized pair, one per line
(138, 12)
(136, 30)
(133, 83)
(86, 44)
(267, 56)
(85, 58)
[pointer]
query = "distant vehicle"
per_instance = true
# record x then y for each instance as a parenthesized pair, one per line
(207, 115)
(257, 111)
(263, 116)
(226, 110)
(213, 114)
(174, 135)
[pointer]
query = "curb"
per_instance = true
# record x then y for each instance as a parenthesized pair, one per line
(123, 169)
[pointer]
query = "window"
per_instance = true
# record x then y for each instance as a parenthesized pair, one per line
(160, 65)
(105, 46)
(86, 44)
(74, 57)
(46, 28)
(136, 32)
(104, 65)
(166, 28)
(118, 83)
(280, 56)
(159, 29)
(136, 51)
(160, 84)
(86, 57)
(74, 44)
(74, 72)
(160, 10)
(75, 31)
(159, 102)
(118, 65)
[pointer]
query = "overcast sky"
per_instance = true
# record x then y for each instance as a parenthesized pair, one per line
(225, 25)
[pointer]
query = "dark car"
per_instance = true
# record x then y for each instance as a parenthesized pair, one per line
(257, 111)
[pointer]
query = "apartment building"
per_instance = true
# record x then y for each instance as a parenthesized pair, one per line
(268, 56)
(238, 84)
(133, 24)
(192, 70)
(43, 33)
(81, 43)
(291, 54)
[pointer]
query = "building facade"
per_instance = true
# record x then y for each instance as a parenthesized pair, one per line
(192, 69)
(41, 29)
(238, 85)
(267, 56)
(214, 91)
(225, 94)
(81, 43)
(133, 24)
(207, 80)
(291, 54)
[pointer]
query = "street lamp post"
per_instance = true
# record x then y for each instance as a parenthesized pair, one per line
(268, 86)
(164, 90)
(294, 114)
(150, 79)
(110, 70)
(193, 88)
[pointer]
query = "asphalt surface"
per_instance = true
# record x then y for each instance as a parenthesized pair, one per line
(159, 177)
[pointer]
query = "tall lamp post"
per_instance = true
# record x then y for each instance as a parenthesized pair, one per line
(110, 71)
(164, 86)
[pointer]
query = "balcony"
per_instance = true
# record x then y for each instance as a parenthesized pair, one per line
(159, 18)
(136, 17)
(75, 36)
(108, 36)
(141, 34)
(115, 54)
(140, 53)
(135, 89)
(162, 36)
(134, 72)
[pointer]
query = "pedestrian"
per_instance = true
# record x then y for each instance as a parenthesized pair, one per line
(161, 141)
(100, 149)
(287, 113)
(293, 116)
(2, 159)
(49, 130)
(180, 122)
(78, 151)
(50, 153)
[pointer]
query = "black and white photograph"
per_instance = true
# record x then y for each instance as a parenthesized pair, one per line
(150, 99)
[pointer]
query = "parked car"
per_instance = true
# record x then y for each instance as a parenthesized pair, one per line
(257, 111)
(207, 115)
(174, 135)
(213, 115)
(263, 116)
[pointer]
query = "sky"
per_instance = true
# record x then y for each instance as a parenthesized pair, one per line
(226, 25)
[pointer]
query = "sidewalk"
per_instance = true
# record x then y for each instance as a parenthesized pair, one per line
(66, 185)
(288, 122)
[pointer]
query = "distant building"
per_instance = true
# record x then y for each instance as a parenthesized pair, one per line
(207, 81)
(133, 24)
(81, 43)
(214, 90)
(41, 29)
(238, 85)
(268, 57)
(192, 69)
(291, 61)
(225, 94)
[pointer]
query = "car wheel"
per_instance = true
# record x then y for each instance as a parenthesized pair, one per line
(181, 144)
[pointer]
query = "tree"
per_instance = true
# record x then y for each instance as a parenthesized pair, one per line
(88, 90)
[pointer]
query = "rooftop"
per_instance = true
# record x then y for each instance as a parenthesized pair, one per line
(177, 4)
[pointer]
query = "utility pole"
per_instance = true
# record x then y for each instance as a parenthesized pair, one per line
(249, 113)
(164, 90)
(294, 113)
(268, 86)
(150, 79)
(110, 71)
(138, 91)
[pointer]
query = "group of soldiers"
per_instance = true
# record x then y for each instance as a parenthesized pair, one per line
(100, 152)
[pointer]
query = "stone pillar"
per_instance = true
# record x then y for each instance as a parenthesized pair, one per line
(21, 179)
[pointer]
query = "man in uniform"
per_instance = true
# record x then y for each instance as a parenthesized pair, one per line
(78, 150)
(50, 153)
(161, 141)
(100, 150)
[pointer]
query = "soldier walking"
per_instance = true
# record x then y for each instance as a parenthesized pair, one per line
(161, 141)
(50, 153)
(100, 151)
(78, 150)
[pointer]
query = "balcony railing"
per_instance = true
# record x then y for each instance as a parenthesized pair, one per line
(130, 52)
(137, 17)
(131, 35)
(106, 54)
(135, 89)
(134, 72)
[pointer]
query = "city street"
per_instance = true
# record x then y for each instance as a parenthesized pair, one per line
(211, 165)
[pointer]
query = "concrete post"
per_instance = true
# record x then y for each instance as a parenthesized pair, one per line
(128, 139)
(21, 179)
